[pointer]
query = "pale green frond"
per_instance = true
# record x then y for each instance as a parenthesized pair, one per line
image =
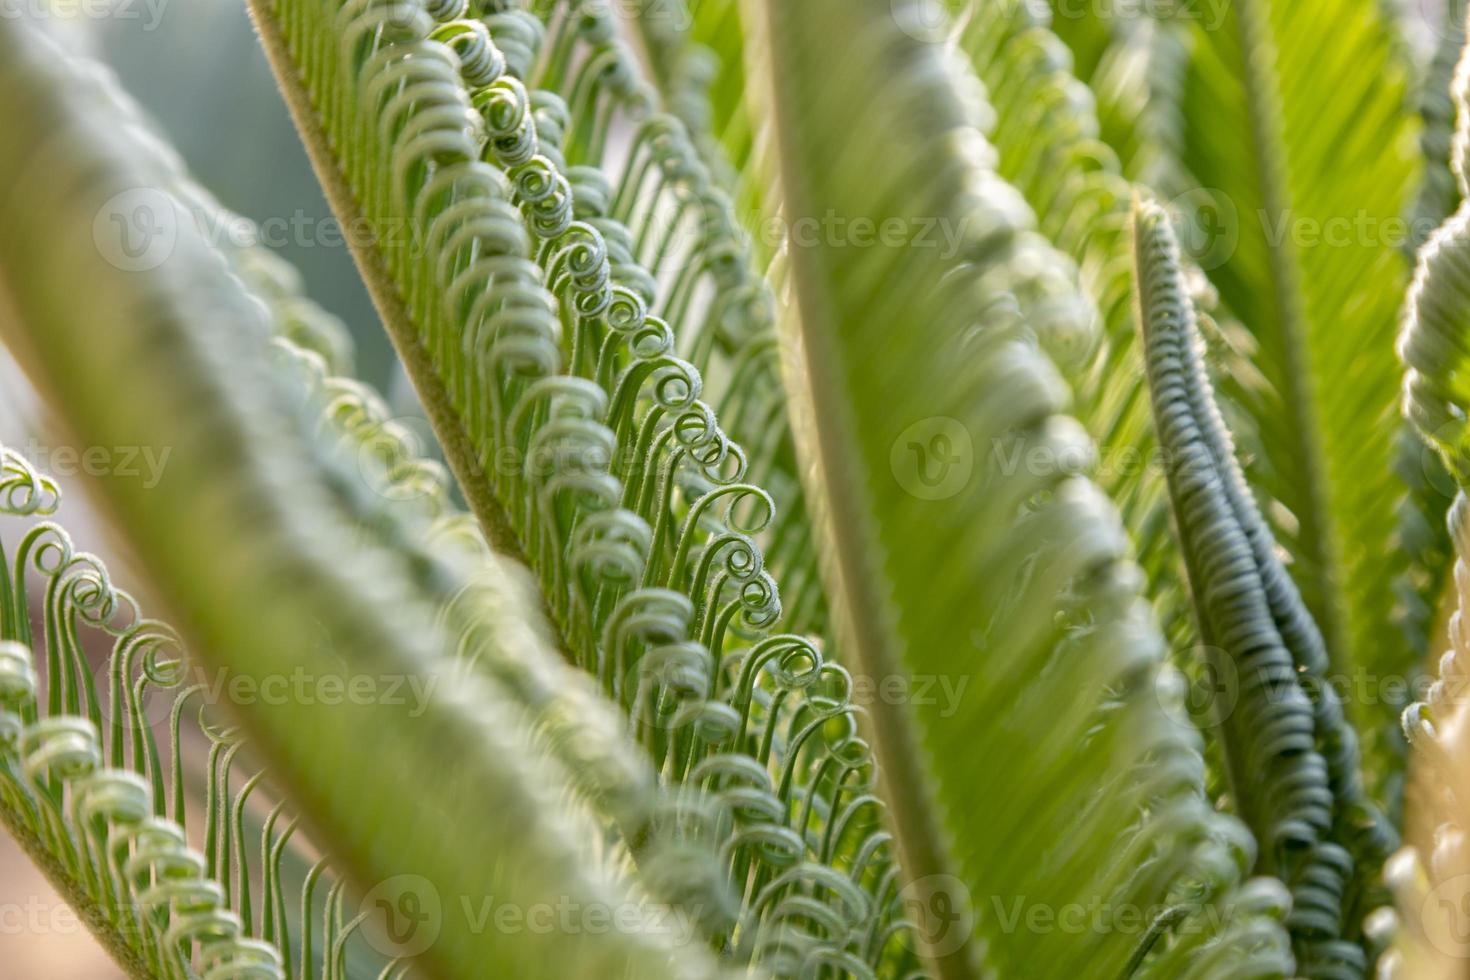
(1432, 875)
(96, 795)
(1133, 58)
(914, 378)
(272, 577)
(1050, 146)
(695, 51)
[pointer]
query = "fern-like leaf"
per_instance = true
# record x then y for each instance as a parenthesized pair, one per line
(913, 378)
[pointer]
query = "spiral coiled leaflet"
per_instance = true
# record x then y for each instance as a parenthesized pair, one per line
(1293, 756)
(88, 791)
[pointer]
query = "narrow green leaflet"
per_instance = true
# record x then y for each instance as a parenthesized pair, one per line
(1293, 758)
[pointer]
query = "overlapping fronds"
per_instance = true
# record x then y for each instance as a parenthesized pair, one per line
(914, 379)
(1293, 758)
(274, 576)
(695, 50)
(1133, 59)
(1297, 134)
(1050, 143)
(554, 302)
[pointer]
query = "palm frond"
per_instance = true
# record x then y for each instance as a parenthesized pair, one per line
(1134, 63)
(913, 379)
(274, 562)
(1050, 146)
(1431, 875)
(543, 292)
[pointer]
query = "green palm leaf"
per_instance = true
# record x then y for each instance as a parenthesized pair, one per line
(544, 307)
(273, 558)
(912, 379)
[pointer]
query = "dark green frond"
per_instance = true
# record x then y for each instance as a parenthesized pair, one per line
(1293, 758)
(1297, 132)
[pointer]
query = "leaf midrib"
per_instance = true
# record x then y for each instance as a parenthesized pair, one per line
(454, 439)
(1318, 536)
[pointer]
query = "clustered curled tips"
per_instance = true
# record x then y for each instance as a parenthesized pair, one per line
(83, 781)
(557, 302)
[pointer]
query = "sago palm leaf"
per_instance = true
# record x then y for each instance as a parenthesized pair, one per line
(694, 49)
(274, 561)
(914, 377)
(538, 296)
(1433, 877)
(1292, 756)
(1049, 139)
(1134, 63)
